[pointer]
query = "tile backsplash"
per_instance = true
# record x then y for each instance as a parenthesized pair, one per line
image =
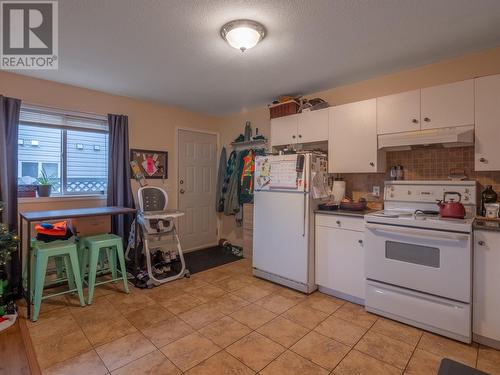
(424, 163)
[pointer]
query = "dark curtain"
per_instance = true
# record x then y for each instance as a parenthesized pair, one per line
(9, 129)
(119, 188)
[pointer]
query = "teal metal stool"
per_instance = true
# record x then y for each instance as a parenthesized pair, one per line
(92, 249)
(61, 268)
(67, 250)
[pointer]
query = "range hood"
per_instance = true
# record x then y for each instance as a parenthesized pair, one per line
(448, 137)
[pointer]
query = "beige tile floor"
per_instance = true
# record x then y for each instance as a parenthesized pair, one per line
(225, 321)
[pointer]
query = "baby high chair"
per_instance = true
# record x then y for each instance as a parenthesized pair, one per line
(161, 245)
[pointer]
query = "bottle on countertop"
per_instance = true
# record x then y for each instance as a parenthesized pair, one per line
(400, 172)
(393, 173)
(248, 131)
(488, 196)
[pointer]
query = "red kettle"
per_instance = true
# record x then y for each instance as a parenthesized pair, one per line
(450, 208)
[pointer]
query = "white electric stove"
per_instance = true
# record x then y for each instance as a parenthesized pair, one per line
(418, 264)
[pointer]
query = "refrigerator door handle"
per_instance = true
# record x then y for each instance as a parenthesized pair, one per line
(305, 215)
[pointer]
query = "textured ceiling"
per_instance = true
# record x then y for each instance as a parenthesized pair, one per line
(170, 51)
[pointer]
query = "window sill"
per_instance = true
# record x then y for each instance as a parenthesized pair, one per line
(65, 198)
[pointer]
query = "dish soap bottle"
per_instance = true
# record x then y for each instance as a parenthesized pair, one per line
(488, 196)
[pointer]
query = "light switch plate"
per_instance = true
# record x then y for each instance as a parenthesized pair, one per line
(376, 191)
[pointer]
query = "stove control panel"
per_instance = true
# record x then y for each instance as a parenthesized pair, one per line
(430, 192)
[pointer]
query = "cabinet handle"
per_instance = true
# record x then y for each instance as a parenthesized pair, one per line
(481, 243)
(482, 160)
(338, 222)
(300, 135)
(372, 163)
(415, 121)
(360, 242)
(293, 136)
(427, 119)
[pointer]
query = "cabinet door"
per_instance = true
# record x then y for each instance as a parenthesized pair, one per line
(398, 113)
(448, 105)
(340, 263)
(313, 126)
(486, 319)
(284, 130)
(487, 157)
(352, 138)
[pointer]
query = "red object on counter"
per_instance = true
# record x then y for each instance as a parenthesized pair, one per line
(450, 208)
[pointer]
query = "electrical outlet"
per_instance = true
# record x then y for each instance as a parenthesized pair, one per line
(376, 191)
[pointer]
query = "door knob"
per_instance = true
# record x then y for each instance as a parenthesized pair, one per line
(182, 191)
(300, 135)
(338, 222)
(482, 160)
(372, 164)
(427, 119)
(360, 242)
(293, 136)
(481, 243)
(415, 121)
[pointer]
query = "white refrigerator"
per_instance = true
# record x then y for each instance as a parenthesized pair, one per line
(287, 190)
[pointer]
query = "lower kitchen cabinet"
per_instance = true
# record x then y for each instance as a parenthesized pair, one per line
(486, 317)
(340, 265)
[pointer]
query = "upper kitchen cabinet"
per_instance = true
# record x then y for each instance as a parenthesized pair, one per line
(313, 126)
(487, 96)
(352, 140)
(284, 130)
(448, 105)
(304, 127)
(398, 113)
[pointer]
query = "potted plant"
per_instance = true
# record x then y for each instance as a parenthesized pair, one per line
(44, 184)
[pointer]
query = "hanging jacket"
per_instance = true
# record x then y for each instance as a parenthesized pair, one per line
(220, 196)
(231, 185)
(246, 192)
(232, 205)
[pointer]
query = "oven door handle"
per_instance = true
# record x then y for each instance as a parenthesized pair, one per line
(418, 232)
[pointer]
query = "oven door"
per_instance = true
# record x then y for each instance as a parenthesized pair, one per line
(425, 260)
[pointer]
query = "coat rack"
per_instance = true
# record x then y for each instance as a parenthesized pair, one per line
(247, 145)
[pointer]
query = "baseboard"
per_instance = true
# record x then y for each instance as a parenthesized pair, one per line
(28, 346)
(199, 247)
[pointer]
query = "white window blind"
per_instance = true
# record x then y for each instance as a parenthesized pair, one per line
(35, 115)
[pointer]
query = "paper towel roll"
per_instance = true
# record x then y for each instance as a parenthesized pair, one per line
(338, 191)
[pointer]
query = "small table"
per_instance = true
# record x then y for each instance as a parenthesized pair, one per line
(37, 216)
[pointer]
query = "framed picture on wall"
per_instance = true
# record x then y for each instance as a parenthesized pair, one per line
(149, 163)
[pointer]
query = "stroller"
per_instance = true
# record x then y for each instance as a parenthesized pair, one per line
(161, 246)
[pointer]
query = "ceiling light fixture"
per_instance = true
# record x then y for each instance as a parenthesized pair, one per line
(243, 34)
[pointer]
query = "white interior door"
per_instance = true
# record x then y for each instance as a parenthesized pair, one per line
(196, 188)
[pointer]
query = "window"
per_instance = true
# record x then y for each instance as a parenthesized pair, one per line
(71, 148)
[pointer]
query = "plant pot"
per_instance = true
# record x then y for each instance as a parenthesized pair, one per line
(44, 190)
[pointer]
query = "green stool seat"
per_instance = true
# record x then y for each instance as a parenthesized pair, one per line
(67, 250)
(92, 247)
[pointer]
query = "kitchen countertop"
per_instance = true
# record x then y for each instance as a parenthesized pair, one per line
(345, 212)
(482, 224)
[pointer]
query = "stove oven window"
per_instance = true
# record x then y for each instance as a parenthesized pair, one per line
(411, 253)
